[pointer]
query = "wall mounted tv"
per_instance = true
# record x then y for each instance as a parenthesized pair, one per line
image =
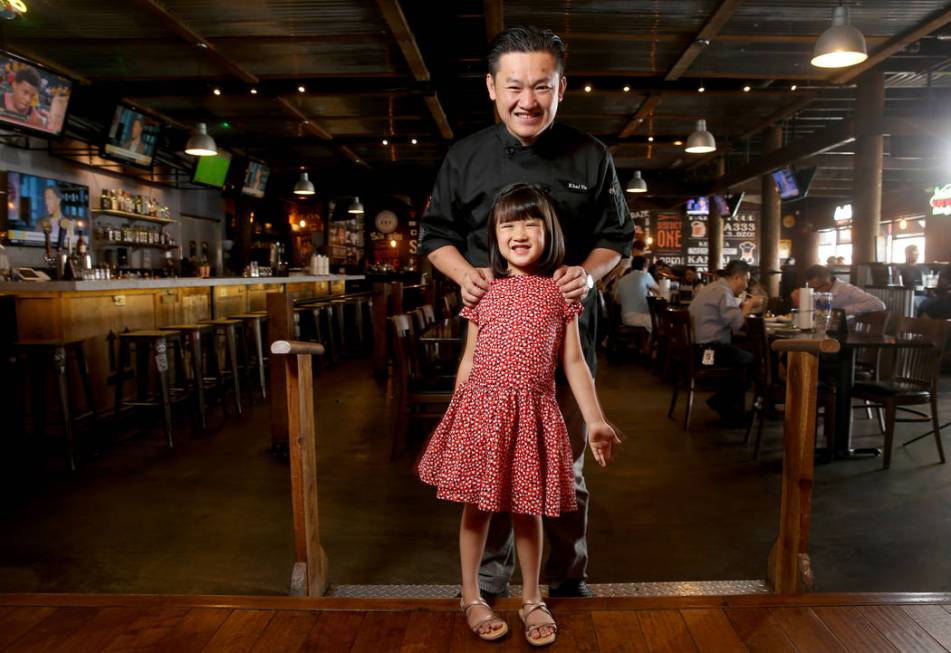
(255, 179)
(34, 202)
(32, 98)
(786, 183)
(132, 137)
(212, 170)
(729, 204)
(698, 206)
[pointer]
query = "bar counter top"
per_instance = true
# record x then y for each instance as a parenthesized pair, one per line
(31, 287)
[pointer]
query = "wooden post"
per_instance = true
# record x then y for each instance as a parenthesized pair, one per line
(769, 218)
(309, 575)
(280, 327)
(789, 570)
(381, 299)
(715, 227)
(867, 167)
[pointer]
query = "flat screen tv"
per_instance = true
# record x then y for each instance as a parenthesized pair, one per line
(212, 170)
(698, 206)
(132, 137)
(804, 178)
(34, 99)
(37, 202)
(255, 179)
(729, 204)
(786, 183)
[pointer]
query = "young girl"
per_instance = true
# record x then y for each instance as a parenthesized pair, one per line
(502, 444)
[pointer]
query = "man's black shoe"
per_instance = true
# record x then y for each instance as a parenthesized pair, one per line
(571, 589)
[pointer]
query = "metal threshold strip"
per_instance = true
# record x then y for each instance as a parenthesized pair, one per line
(606, 590)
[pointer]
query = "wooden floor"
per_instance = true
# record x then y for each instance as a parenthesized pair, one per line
(816, 622)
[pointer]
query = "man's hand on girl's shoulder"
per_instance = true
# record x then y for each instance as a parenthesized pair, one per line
(474, 285)
(572, 282)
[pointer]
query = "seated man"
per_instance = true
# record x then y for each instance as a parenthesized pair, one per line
(717, 314)
(853, 300)
(910, 272)
(631, 293)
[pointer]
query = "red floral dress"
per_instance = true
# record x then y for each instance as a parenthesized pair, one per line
(502, 443)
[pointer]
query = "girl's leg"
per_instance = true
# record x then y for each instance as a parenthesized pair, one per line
(528, 543)
(473, 530)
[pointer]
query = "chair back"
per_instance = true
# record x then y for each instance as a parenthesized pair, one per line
(871, 323)
(657, 307)
(419, 320)
(429, 315)
(679, 329)
(450, 304)
(405, 345)
(762, 360)
(921, 366)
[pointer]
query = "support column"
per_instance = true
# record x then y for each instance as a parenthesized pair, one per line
(769, 218)
(867, 168)
(715, 226)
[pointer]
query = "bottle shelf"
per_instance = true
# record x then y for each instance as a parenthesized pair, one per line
(119, 243)
(132, 216)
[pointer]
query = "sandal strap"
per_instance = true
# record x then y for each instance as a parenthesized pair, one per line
(532, 607)
(481, 603)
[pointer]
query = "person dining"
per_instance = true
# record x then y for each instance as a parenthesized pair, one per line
(631, 293)
(853, 300)
(717, 314)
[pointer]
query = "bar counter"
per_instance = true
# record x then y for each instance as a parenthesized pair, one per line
(92, 310)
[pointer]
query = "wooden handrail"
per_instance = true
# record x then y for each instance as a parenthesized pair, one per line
(297, 347)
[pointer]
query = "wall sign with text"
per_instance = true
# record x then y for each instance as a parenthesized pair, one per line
(668, 238)
(740, 238)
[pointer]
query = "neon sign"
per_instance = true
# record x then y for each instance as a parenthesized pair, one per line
(941, 200)
(843, 213)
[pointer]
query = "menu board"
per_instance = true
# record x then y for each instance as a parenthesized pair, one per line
(668, 238)
(698, 251)
(739, 237)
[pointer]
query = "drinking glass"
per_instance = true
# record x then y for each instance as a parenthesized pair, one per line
(822, 302)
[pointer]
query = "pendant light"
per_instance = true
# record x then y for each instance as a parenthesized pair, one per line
(701, 141)
(304, 186)
(637, 183)
(841, 45)
(355, 207)
(200, 143)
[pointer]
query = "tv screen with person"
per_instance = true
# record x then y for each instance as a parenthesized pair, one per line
(132, 138)
(786, 183)
(698, 206)
(35, 204)
(34, 98)
(255, 179)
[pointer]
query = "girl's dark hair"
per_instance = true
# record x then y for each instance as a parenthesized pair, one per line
(521, 202)
(526, 39)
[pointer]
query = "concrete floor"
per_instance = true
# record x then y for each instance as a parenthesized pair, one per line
(213, 516)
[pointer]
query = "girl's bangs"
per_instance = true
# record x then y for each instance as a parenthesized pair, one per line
(521, 204)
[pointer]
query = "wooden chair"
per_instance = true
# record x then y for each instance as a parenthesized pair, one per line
(683, 360)
(868, 359)
(914, 380)
(450, 305)
(659, 333)
(429, 315)
(622, 338)
(420, 398)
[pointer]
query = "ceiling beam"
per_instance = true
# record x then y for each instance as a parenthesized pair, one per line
(935, 22)
(643, 111)
(442, 122)
(494, 19)
(706, 34)
(307, 123)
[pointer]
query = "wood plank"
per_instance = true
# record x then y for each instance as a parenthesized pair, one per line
(54, 630)
(148, 629)
(575, 633)
(428, 632)
(806, 630)
(853, 630)
(193, 632)
(97, 633)
(405, 39)
(18, 621)
(240, 631)
(665, 630)
(287, 631)
(381, 631)
(933, 619)
(759, 631)
(712, 632)
(707, 33)
(618, 632)
(901, 630)
(335, 631)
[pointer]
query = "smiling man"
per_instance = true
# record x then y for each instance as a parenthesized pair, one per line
(526, 82)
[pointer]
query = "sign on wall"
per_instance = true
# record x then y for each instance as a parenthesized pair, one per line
(668, 238)
(739, 238)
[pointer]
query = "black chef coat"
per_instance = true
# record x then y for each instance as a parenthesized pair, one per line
(574, 168)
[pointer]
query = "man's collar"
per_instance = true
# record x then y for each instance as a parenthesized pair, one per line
(509, 140)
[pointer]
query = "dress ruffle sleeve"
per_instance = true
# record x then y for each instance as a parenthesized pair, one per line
(573, 310)
(470, 313)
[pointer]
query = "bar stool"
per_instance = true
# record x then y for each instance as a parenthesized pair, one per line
(192, 335)
(54, 355)
(227, 330)
(339, 325)
(145, 342)
(356, 306)
(256, 322)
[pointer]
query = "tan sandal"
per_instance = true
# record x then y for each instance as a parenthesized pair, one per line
(528, 608)
(492, 635)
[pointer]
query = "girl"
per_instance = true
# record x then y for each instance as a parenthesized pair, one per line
(502, 444)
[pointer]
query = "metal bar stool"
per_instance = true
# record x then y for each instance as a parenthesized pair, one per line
(146, 342)
(256, 323)
(192, 334)
(227, 330)
(54, 355)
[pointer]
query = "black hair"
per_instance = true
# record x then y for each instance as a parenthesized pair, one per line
(526, 39)
(521, 202)
(639, 244)
(735, 267)
(818, 272)
(638, 262)
(27, 74)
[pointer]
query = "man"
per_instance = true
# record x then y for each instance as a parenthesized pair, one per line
(19, 102)
(854, 301)
(717, 314)
(910, 273)
(134, 143)
(631, 293)
(526, 82)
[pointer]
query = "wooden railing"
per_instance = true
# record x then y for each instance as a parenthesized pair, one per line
(789, 569)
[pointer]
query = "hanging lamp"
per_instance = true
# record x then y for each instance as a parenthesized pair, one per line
(355, 207)
(701, 141)
(200, 143)
(841, 45)
(637, 183)
(304, 186)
